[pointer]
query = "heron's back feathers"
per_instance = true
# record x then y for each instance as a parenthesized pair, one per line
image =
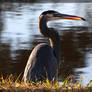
(42, 64)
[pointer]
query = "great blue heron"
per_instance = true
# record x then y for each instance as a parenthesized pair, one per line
(44, 59)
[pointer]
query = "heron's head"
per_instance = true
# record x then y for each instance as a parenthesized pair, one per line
(54, 15)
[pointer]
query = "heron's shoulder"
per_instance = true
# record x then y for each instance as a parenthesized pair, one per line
(43, 45)
(42, 48)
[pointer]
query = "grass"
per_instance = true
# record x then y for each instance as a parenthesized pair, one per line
(15, 85)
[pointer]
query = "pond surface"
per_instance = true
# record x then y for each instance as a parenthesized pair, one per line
(19, 34)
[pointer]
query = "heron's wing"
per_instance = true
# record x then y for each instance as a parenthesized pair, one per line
(51, 68)
(41, 63)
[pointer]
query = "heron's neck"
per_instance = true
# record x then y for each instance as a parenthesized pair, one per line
(52, 35)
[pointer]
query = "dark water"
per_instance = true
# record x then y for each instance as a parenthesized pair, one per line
(19, 34)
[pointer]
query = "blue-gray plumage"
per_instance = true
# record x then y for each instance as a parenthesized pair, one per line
(40, 69)
(44, 59)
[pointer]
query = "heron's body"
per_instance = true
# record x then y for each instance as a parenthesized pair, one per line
(44, 59)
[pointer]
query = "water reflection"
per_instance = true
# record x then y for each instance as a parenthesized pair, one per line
(19, 34)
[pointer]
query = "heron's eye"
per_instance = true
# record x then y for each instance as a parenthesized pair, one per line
(55, 15)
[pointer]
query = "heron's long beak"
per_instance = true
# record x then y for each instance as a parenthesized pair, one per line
(65, 16)
(71, 17)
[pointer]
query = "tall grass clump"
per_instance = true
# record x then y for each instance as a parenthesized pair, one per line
(10, 83)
